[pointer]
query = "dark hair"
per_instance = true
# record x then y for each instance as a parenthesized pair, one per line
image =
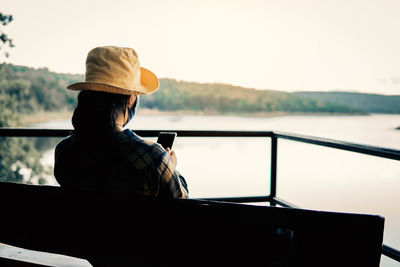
(94, 117)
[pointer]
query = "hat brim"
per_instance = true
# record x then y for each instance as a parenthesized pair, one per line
(148, 84)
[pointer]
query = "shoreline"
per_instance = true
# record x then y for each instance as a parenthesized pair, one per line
(45, 116)
(272, 114)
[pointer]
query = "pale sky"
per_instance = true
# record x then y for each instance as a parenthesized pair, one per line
(288, 45)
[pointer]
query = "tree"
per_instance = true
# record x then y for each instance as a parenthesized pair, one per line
(19, 159)
(4, 39)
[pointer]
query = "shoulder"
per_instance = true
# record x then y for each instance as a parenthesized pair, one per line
(65, 147)
(66, 142)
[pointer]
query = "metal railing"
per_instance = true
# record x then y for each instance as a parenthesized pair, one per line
(271, 198)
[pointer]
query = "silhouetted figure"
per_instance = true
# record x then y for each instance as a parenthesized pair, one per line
(101, 155)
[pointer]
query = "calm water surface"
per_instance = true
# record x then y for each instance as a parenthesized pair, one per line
(309, 176)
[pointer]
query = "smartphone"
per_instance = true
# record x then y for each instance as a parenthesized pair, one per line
(166, 139)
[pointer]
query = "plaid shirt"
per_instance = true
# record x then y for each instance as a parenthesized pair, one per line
(134, 164)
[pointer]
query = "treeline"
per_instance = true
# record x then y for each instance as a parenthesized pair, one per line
(35, 90)
(370, 103)
(32, 90)
(223, 98)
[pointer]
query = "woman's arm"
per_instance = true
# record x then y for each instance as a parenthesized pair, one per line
(172, 183)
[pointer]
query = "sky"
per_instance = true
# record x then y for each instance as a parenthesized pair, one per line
(289, 45)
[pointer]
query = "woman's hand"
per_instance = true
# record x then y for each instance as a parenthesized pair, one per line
(172, 156)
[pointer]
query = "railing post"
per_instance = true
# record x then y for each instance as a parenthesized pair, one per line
(274, 150)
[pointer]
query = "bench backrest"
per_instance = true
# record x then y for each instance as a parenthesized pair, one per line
(125, 229)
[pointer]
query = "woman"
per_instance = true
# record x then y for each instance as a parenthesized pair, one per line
(101, 155)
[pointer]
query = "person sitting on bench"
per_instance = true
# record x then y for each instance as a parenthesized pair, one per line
(100, 154)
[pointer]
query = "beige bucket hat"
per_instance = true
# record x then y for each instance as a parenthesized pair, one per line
(116, 70)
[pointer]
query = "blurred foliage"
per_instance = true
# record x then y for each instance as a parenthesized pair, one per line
(37, 89)
(19, 159)
(4, 39)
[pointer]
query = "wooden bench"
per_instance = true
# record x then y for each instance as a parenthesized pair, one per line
(128, 230)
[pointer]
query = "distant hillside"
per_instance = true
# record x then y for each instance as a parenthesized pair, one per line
(224, 98)
(370, 103)
(37, 89)
(33, 90)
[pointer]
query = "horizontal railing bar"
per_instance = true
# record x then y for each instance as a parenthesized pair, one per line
(32, 132)
(363, 149)
(29, 132)
(240, 199)
(391, 252)
(283, 203)
(213, 133)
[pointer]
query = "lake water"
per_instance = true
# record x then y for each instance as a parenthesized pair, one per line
(309, 176)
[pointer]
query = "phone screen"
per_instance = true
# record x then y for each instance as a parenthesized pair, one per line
(166, 139)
